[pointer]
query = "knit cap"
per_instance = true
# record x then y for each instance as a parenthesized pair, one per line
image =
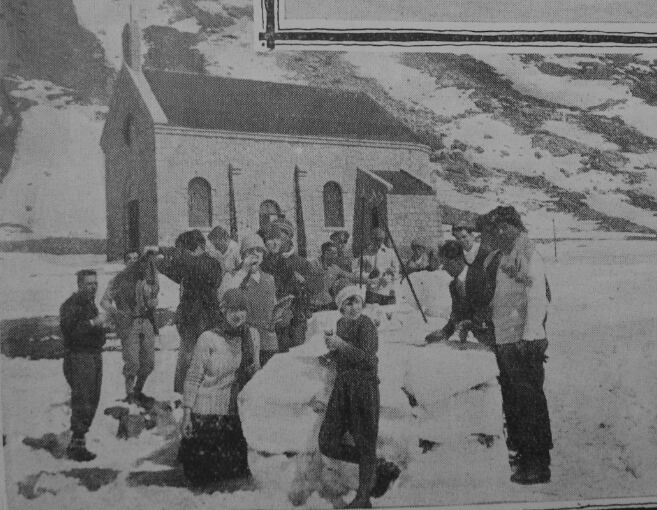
(250, 242)
(278, 228)
(345, 289)
(234, 299)
(340, 236)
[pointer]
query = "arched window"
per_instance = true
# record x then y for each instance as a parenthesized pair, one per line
(269, 210)
(333, 209)
(200, 203)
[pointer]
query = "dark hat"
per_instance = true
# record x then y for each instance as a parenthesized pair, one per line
(279, 227)
(234, 299)
(340, 236)
(451, 250)
(483, 222)
(506, 214)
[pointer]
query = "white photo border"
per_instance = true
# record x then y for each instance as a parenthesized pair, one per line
(274, 30)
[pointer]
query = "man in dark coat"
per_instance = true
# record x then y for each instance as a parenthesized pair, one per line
(83, 331)
(480, 282)
(199, 276)
(293, 276)
(451, 255)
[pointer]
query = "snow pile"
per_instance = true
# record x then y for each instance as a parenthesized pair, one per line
(418, 385)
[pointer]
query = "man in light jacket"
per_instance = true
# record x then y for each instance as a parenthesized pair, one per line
(519, 312)
(384, 270)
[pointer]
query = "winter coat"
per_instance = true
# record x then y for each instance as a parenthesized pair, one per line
(199, 278)
(215, 371)
(282, 267)
(79, 335)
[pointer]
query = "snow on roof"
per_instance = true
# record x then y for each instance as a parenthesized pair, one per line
(213, 102)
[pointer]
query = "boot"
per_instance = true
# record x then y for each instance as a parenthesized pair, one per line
(386, 473)
(77, 451)
(533, 469)
(139, 397)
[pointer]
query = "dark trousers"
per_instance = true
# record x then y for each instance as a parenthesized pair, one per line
(293, 334)
(379, 299)
(521, 378)
(352, 407)
(84, 374)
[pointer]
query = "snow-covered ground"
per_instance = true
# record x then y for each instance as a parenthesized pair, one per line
(600, 385)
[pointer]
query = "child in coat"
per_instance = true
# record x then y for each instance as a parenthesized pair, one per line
(354, 402)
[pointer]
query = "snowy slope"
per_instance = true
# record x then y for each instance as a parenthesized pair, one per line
(56, 186)
(563, 137)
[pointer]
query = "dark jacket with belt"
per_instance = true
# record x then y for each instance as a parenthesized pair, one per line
(74, 321)
(199, 278)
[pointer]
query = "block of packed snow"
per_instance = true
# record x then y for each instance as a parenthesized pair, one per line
(278, 406)
(282, 407)
(432, 290)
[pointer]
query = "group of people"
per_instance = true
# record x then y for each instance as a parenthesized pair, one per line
(241, 303)
(500, 294)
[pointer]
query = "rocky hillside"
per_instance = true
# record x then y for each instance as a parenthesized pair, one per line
(569, 139)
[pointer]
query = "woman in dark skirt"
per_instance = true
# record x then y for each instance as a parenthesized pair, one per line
(213, 447)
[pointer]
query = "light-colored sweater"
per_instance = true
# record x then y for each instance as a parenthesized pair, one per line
(213, 372)
(520, 303)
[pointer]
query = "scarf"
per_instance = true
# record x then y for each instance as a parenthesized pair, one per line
(242, 332)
